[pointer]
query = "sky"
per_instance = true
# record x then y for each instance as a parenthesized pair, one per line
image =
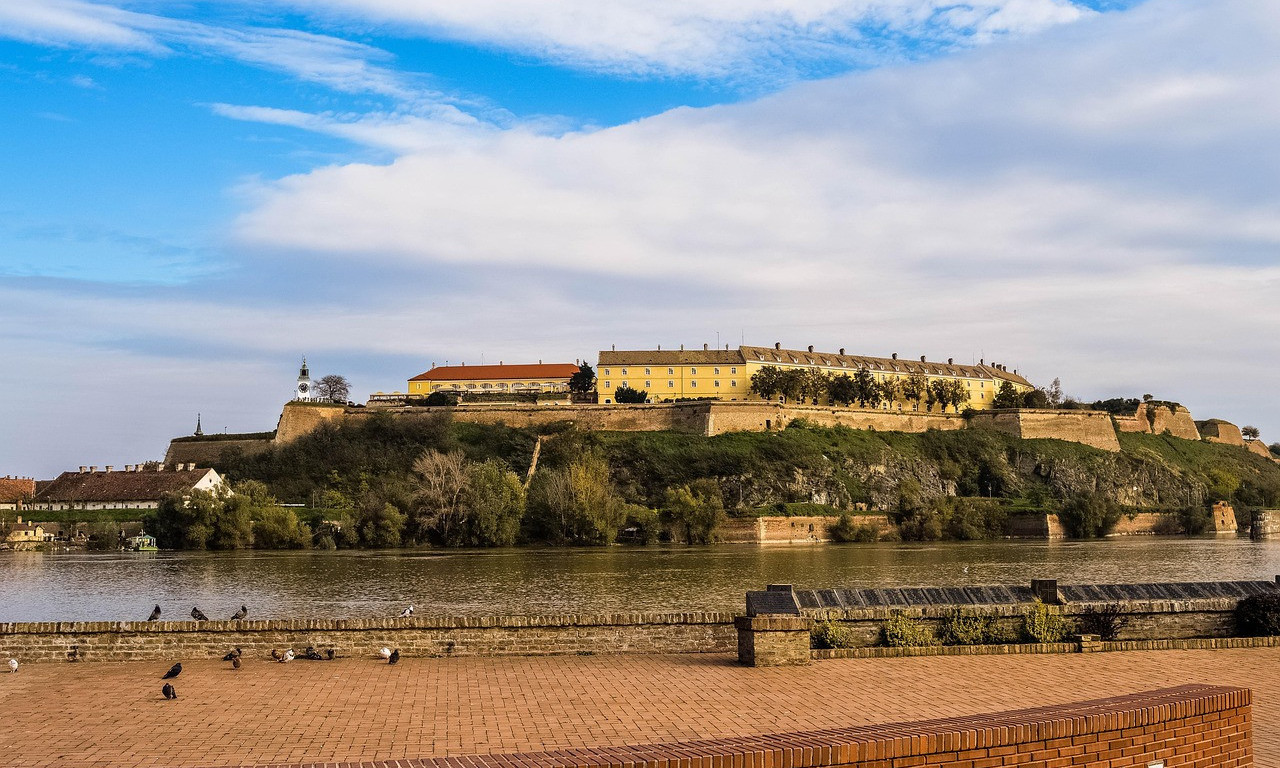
(194, 195)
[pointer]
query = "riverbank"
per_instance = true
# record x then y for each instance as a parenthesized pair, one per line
(363, 709)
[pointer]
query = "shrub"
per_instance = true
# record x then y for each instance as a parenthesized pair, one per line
(1107, 622)
(1089, 516)
(441, 398)
(694, 513)
(846, 530)
(963, 628)
(1044, 624)
(640, 525)
(902, 631)
(1258, 615)
(279, 528)
(630, 395)
(828, 634)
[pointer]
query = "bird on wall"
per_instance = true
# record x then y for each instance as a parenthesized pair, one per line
(198, 615)
(311, 654)
(155, 614)
(169, 691)
(385, 653)
(407, 612)
(173, 672)
(232, 656)
(395, 657)
(13, 666)
(240, 614)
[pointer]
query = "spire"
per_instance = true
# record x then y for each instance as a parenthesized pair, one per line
(303, 373)
(199, 431)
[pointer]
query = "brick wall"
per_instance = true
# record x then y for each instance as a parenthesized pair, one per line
(758, 416)
(1193, 726)
(418, 636)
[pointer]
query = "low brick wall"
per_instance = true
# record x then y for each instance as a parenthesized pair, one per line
(1195, 725)
(418, 636)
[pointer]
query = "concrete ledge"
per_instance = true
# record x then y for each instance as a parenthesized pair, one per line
(1198, 644)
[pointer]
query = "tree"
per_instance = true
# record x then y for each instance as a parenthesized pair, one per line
(766, 382)
(280, 528)
(915, 388)
(584, 380)
(439, 483)
(890, 390)
(813, 384)
(791, 383)
(380, 523)
(334, 387)
(440, 397)
(1006, 396)
(865, 388)
(214, 519)
(957, 394)
(1250, 433)
(1054, 393)
(575, 505)
(629, 395)
(495, 502)
(694, 512)
(841, 391)
(1035, 398)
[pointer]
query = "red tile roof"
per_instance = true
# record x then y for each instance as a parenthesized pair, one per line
(498, 372)
(148, 485)
(14, 489)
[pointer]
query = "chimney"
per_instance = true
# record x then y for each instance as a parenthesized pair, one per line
(922, 359)
(613, 347)
(659, 347)
(895, 355)
(777, 345)
(842, 351)
(83, 469)
(704, 347)
(951, 361)
(982, 361)
(810, 348)
(681, 347)
(110, 467)
(93, 468)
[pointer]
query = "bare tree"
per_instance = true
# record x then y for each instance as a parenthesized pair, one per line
(334, 387)
(439, 489)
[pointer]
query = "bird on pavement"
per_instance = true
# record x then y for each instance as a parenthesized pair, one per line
(395, 656)
(155, 614)
(276, 654)
(174, 671)
(407, 612)
(311, 654)
(240, 614)
(198, 615)
(329, 654)
(235, 654)
(13, 665)
(287, 657)
(169, 691)
(235, 663)
(385, 653)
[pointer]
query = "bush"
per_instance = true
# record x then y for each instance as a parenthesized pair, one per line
(441, 398)
(828, 634)
(640, 525)
(1089, 516)
(575, 505)
(279, 528)
(1258, 615)
(629, 395)
(901, 631)
(693, 513)
(1044, 624)
(962, 628)
(846, 530)
(1107, 622)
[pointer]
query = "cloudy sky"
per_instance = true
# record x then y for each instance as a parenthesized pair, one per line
(194, 195)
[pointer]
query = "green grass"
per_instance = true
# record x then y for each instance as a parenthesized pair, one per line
(65, 516)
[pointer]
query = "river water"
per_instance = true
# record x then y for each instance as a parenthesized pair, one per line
(77, 586)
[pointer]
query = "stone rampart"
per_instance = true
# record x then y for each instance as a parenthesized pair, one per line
(1093, 428)
(1258, 447)
(779, 529)
(417, 636)
(725, 417)
(298, 419)
(1219, 431)
(206, 453)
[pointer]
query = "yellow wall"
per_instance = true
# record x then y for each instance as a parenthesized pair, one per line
(489, 385)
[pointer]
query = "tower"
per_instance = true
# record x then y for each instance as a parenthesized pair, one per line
(304, 391)
(199, 431)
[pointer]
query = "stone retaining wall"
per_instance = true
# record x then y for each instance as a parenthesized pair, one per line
(418, 636)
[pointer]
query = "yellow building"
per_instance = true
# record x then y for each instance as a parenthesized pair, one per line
(536, 378)
(726, 374)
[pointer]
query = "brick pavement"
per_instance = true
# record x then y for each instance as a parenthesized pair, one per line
(112, 714)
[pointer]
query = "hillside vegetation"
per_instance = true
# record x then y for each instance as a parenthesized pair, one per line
(390, 481)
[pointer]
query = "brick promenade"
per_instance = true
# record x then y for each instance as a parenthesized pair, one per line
(112, 714)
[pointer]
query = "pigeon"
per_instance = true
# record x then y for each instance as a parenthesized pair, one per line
(287, 657)
(169, 691)
(329, 654)
(13, 666)
(240, 614)
(407, 612)
(276, 655)
(312, 654)
(198, 615)
(232, 655)
(385, 653)
(395, 656)
(174, 671)
(155, 614)
(235, 663)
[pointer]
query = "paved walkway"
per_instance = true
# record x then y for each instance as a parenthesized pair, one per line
(112, 714)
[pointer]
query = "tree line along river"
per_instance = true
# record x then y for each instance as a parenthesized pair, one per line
(78, 586)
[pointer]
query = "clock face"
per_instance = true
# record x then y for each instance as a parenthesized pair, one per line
(303, 387)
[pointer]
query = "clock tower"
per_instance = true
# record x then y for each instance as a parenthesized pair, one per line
(305, 390)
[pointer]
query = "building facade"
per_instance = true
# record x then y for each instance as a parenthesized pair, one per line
(668, 375)
(509, 379)
(134, 488)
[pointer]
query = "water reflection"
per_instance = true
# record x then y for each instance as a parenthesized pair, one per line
(124, 586)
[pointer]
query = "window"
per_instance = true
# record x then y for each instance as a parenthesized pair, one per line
(733, 371)
(670, 384)
(693, 371)
(671, 371)
(648, 372)
(693, 383)
(716, 371)
(648, 385)
(606, 371)
(733, 382)
(624, 371)
(717, 383)
(982, 395)
(606, 386)
(623, 384)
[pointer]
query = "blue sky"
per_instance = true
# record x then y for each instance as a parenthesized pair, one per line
(194, 195)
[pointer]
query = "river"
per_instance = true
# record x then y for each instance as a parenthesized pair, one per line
(78, 586)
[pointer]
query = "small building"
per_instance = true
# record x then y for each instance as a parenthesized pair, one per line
(134, 488)
(504, 379)
(25, 533)
(16, 491)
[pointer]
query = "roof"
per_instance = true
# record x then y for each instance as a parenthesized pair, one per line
(774, 356)
(14, 489)
(147, 485)
(672, 357)
(498, 372)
